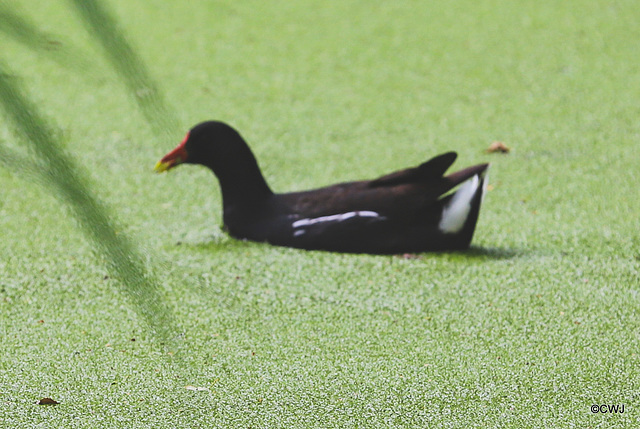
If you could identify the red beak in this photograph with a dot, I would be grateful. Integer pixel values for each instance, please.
(173, 158)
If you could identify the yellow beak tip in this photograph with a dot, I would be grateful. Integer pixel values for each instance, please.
(161, 167)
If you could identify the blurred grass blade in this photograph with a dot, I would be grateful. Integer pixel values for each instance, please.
(58, 49)
(69, 183)
(102, 25)
(21, 164)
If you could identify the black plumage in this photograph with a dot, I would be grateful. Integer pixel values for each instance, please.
(410, 210)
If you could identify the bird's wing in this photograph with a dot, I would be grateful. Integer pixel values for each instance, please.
(432, 169)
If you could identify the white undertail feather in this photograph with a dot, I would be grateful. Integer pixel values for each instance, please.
(455, 213)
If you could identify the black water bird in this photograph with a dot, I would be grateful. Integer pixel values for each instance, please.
(414, 210)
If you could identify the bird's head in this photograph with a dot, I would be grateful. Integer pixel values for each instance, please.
(210, 143)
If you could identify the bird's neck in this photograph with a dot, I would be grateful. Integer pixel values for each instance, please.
(244, 186)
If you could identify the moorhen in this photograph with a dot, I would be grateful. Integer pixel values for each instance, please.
(407, 211)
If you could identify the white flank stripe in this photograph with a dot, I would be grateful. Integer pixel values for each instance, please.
(333, 218)
(455, 213)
